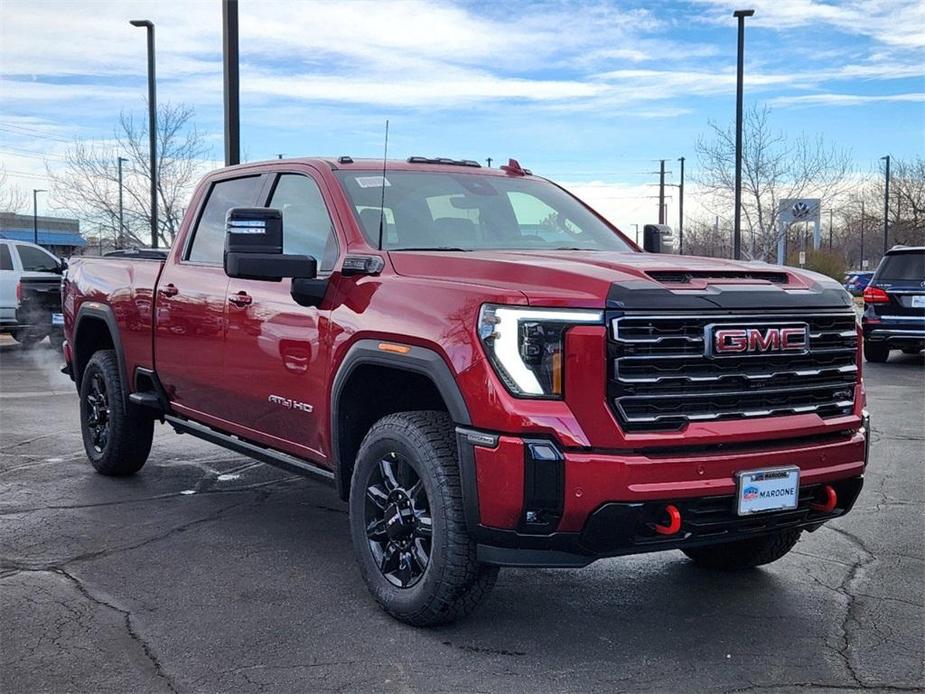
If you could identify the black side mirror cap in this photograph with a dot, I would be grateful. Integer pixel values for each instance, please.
(271, 267)
(659, 238)
(253, 230)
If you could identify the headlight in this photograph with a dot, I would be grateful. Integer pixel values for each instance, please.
(526, 345)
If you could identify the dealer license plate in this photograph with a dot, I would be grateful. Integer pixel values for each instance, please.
(771, 489)
(57, 319)
(918, 301)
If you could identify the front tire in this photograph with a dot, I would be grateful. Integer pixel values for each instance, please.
(407, 522)
(745, 554)
(117, 441)
(876, 352)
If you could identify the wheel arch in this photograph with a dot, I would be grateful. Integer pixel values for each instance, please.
(367, 368)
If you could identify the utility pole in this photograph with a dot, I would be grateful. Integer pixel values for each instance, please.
(863, 223)
(661, 193)
(715, 234)
(740, 73)
(35, 214)
(886, 206)
(489, 162)
(232, 91)
(152, 122)
(119, 160)
(830, 228)
(637, 233)
(681, 210)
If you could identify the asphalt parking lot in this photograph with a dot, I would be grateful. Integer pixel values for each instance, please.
(210, 573)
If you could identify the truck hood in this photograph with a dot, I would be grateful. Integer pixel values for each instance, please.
(595, 279)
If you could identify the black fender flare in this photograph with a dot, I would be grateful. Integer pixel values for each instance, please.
(97, 311)
(419, 360)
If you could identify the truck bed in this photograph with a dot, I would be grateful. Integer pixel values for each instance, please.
(127, 286)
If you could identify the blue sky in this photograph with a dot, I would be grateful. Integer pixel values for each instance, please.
(589, 93)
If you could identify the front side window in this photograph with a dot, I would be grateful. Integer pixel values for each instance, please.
(471, 211)
(36, 260)
(209, 238)
(307, 226)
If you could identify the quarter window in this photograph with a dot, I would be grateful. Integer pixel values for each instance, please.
(6, 260)
(209, 239)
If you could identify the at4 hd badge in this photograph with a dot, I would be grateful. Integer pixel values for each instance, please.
(289, 403)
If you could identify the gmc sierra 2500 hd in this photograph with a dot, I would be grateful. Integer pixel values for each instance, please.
(488, 371)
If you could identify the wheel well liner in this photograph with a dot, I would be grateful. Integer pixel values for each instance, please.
(420, 376)
(95, 328)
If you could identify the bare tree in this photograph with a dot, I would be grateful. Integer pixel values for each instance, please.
(12, 198)
(774, 167)
(88, 184)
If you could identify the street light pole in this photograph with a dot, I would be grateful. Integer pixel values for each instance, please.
(740, 74)
(886, 205)
(152, 122)
(681, 210)
(119, 160)
(35, 214)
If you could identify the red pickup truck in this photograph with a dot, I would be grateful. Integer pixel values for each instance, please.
(488, 371)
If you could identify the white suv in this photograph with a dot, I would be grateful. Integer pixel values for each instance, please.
(20, 259)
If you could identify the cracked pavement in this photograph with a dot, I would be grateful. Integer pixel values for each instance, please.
(207, 572)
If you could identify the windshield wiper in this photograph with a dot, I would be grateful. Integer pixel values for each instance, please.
(430, 248)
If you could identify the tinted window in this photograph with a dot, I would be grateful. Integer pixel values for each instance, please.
(902, 266)
(471, 211)
(6, 261)
(307, 227)
(36, 260)
(209, 240)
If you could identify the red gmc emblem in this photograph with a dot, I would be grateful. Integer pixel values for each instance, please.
(722, 340)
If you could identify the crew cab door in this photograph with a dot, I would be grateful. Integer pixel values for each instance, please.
(275, 360)
(191, 305)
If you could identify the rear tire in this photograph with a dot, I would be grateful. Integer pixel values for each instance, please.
(876, 352)
(745, 554)
(407, 522)
(117, 440)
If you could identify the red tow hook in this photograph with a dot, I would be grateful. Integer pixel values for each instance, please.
(674, 521)
(829, 499)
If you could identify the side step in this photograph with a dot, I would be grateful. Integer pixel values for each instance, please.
(264, 455)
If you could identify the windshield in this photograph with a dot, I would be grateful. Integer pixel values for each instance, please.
(449, 211)
(902, 266)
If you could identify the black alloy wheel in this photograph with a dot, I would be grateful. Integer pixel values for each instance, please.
(97, 412)
(399, 527)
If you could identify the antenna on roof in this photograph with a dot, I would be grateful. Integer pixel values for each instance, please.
(385, 157)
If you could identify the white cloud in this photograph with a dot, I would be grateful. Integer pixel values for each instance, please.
(844, 99)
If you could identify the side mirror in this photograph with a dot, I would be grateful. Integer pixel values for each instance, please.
(659, 238)
(254, 247)
(62, 266)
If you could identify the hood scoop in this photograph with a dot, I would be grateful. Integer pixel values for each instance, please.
(687, 276)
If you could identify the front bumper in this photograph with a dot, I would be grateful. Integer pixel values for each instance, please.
(528, 503)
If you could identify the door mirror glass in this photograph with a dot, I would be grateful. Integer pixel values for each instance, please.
(659, 238)
(254, 247)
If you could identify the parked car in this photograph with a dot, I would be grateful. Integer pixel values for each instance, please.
(856, 282)
(894, 305)
(489, 372)
(30, 292)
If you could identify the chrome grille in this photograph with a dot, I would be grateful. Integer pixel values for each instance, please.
(660, 377)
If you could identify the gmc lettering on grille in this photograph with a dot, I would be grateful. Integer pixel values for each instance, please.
(729, 341)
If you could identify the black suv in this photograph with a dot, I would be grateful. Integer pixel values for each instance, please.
(894, 305)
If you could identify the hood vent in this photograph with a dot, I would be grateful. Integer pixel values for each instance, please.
(685, 276)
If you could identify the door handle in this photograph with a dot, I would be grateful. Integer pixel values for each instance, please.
(169, 290)
(241, 299)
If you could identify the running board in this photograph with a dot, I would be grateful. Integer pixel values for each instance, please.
(264, 455)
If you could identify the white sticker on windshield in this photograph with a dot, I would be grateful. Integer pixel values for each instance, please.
(372, 182)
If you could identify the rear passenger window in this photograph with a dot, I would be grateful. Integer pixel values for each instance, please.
(36, 260)
(209, 238)
(6, 261)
